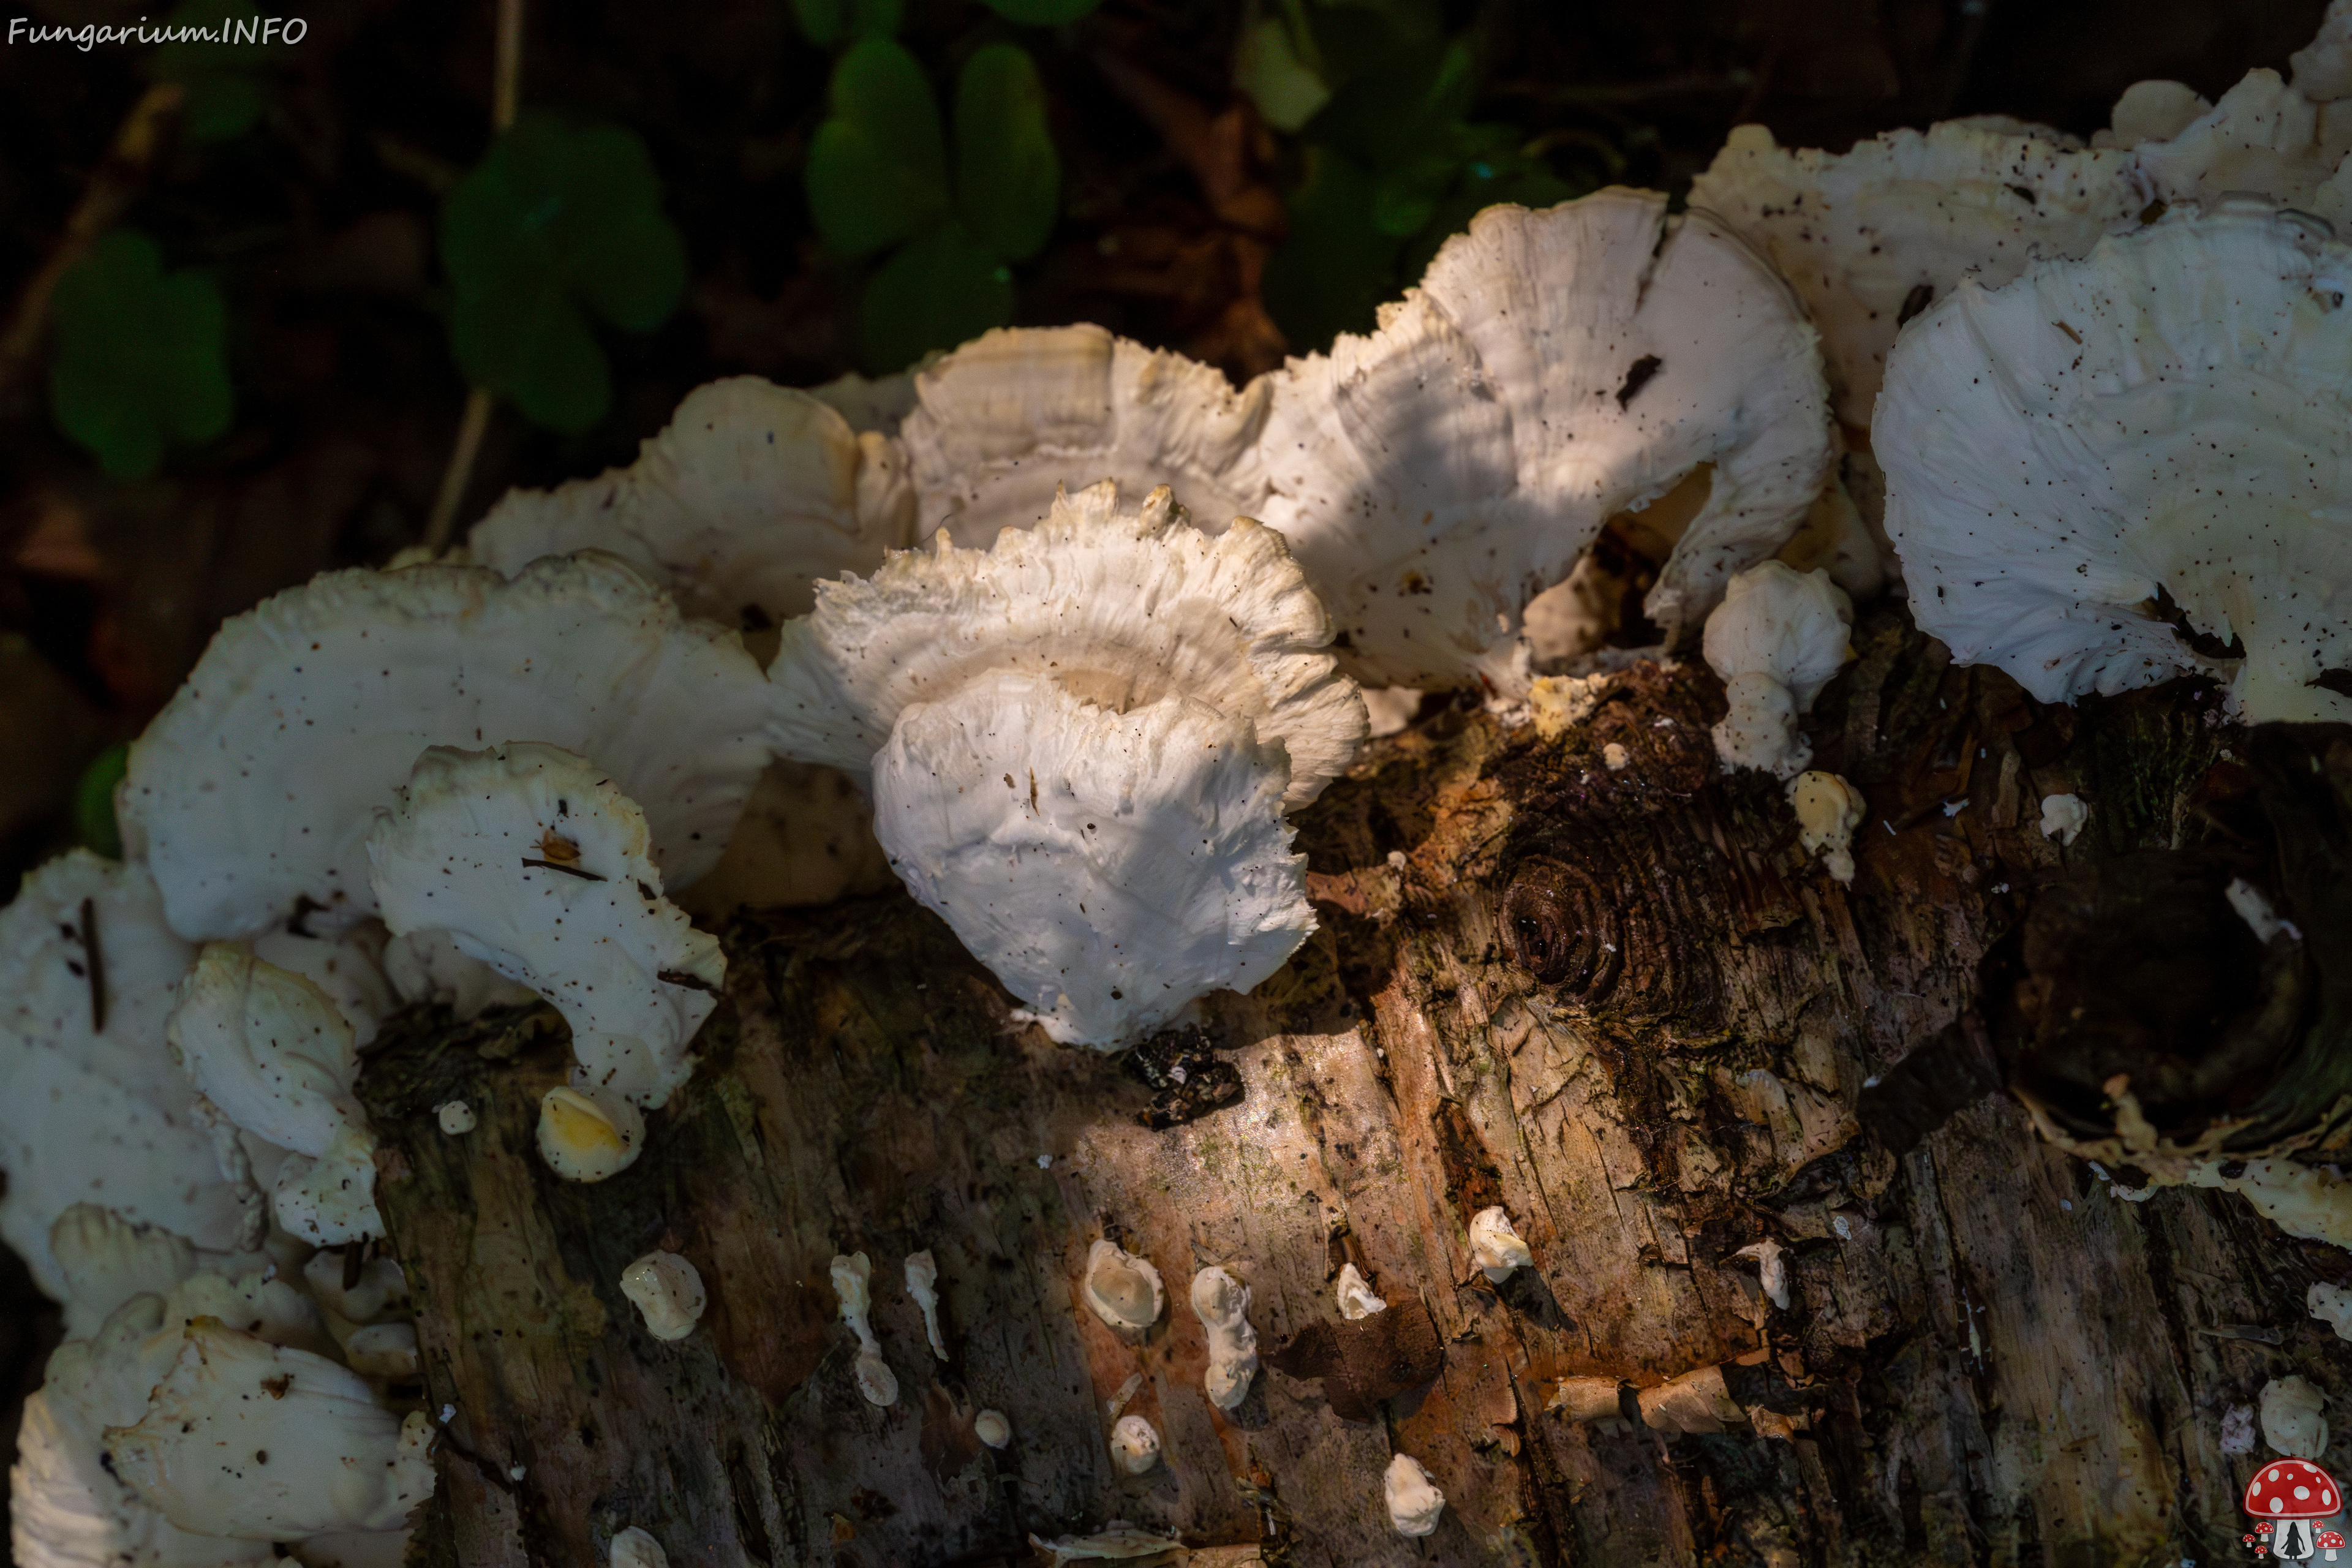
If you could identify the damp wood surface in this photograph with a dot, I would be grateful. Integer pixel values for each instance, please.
(1620, 1004)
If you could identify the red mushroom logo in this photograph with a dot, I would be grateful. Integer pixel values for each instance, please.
(2289, 1495)
(2331, 1541)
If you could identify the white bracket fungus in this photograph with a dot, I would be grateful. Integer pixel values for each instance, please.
(1414, 1502)
(2151, 421)
(1134, 1444)
(541, 868)
(1123, 1289)
(668, 1292)
(1495, 1246)
(92, 1107)
(588, 1134)
(923, 1285)
(1087, 736)
(1015, 414)
(632, 1548)
(427, 966)
(991, 1427)
(277, 1057)
(246, 1438)
(1221, 1303)
(853, 1278)
(2323, 68)
(752, 493)
(1828, 811)
(1871, 236)
(256, 786)
(1778, 638)
(1553, 369)
(2264, 139)
(2247, 902)
(2063, 817)
(380, 1286)
(2291, 1420)
(1356, 1299)
(1771, 1269)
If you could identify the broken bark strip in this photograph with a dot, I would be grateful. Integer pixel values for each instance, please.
(1618, 1002)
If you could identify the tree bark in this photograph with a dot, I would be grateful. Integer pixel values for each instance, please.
(1620, 1003)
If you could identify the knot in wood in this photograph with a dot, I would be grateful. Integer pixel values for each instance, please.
(1560, 926)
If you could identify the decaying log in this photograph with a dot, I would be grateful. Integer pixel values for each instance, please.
(1621, 1003)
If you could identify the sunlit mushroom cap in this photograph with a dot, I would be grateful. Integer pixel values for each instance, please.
(752, 493)
(2171, 416)
(1553, 369)
(1117, 606)
(1871, 236)
(538, 865)
(1109, 868)
(1007, 420)
(99, 1114)
(256, 786)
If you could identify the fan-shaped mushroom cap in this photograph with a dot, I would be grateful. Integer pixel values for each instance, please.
(428, 967)
(66, 1512)
(275, 1054)
(348, 967)
(1356, 1298)
(2262, 139)
(257, 783)
(1495, 1246)
(542, 867)
(1108, 867)
(588, 1134)
(2170, 414)
(337, 1459)
(1120, 608)
(90, 1110)
(1013, 417)
(2323, 68)
(632, 1548)
(752, 493)
(1870, 237)
(1123, 1289)
(1553, 369)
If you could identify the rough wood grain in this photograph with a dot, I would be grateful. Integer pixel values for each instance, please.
(1618, 1003)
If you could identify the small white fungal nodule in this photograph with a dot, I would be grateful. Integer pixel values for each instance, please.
(853, 1281)
(386, 1351)
(1495, 1246)
(1222, 1302)
(1134, 1444)
(1356, 1298)
(991, 1427)
(632, 1548)
(1414, 1501)
(1123, 1289)
(923, 1285)
(1771, 1269)
(2062, 816)
(668, 1292)
(455, 1117)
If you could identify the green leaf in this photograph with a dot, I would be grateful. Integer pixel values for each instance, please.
(559, 219)
(1400, 112)
(877, 170)
(1335, 267)
(1042, 12)
(941, 290)
(93, 801)
(140, 360)
(831, 22)
(1008, 179)
(228, 82)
